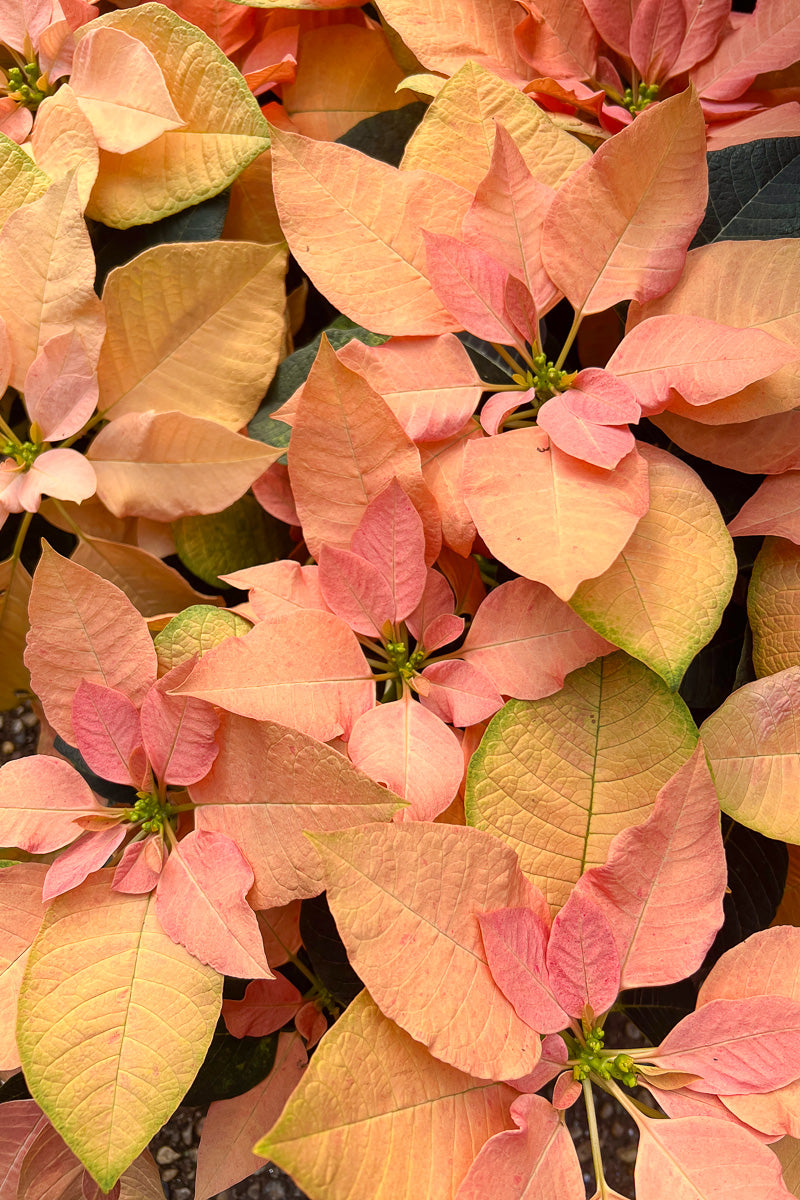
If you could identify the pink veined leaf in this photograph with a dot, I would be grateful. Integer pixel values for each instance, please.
(521, 310)
(140, 866)
(89, 853)
(662, 885)
(515, 941)
(587, 422)
(680, 1102)
(429, 383)
(773, 509)
(279, 587)
(657, 32)
(201, 905)
(178, 731)
(441, 631)
(613, 22)
(706, 20)
(50, 1169)
(699, 1157)
(528, 641)
(409, 750)
(40, 801)
(582, 958)
(436, 601)
(535, 1160)
(273, 492)
(310, 1023)
(700, 359)
(566, 1091)
(443, 472)
(390, 535)
(765, 40)
(355, 590)
(619, 228)
(225, 1155)
(472, 285)
(506, 219)
(64, 474)
(502, 405)
(61, 386)
(23, 1121)
(553, 1060)
(108, 733)
(460, 693)
(21, 913)
(280, 931)
(558, 39)
(266, 1006)
(735, 1046)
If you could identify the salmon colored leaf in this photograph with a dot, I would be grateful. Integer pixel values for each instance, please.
(443, 472)
(346, 447)
(437, 602)
(588, 421)
(356, 590)
(40, 799)
(267, 1005)
(279, 587)
(151, 586)
(178, 731)
(47, 277)
(121, 89)
(506, 219)
(225, 1155)
(766, 41)
(587, 762)
(354, 223)
(459, 693)
(51, 1170)
(65, 474)
(21, 913)
(772, 606)
(657, 34)
(662, 885)
(663, 598)
(375, 1100)
(194, 631)
(527, 640)
(83, 627)
(310, 1023)
(140, 866)
(280, 931)
(515, 941)
(221, 129)
(89, 853)
(412, 752)
(773, 509)
(270, 783)
(444, 36)
(700, 359)
(749, 1045)
(23, 1122)
(108, 733)
(168, 465)
(391, 537)
(765, 444)
(536, 1159)
(698, 1158)
(196, 328)
(270, 675)
(546, 515)
(553, 1060)
(471, 284)
(122, 979)
(430, 384)
(201, 905)
(642, 196)
(753, 744)
(405, 898)
(761, 293)
(456, 137)
(62, 141)
(582, 959)
(61, 387)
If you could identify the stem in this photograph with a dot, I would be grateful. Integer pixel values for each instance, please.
(15, 557)
(501, 350)
(95, 420)
(374, 647)
(634, 1108)
(573, 333)
(503, 387)
(9, 432)
(65, 515)
(594, 1137)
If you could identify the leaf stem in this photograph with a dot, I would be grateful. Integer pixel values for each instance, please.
(504, 387)
(573, 333)
(90, 424)
(65, 515)
(9, 432)
(501, 350)
(15, 557)
(594, 1138)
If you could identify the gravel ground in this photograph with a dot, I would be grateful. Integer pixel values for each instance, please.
(175, 1147)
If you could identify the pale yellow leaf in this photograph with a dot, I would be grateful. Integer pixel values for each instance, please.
(773, 606)
(21, 181)
(62, 141)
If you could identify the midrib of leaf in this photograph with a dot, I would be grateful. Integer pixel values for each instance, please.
(593, 777)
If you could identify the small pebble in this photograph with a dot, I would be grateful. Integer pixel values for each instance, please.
(187, 1134)
(617, 1129)
(606, 1111)
(169, 1174)
(627, 1154)
(29, 720)
(7, 748)
(584, 1151)
(166, 1156)
(181, 1193)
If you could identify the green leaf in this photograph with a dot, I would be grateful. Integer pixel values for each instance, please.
(752, 192)
(195, 631)
(241, 536)
(385, 135)
(326, 951)
(231, 1067)
(118, 794)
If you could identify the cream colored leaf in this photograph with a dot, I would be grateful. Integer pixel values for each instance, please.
(21, 181)
(773, 606)
(62, 141)
(558, 778)
(195, 328)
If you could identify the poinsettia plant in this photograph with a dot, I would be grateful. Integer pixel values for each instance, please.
(501, 420)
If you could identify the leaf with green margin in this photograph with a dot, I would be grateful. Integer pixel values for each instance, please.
(21, 181)
(375, 1114)
(773, 606)
(384, 135)
(194, 631)
(223, 131)
(293, 372)
(557, 778)
(112, 1029)
(752, 192)
(243, 535)
(231, 1067)
(753, 745)
(663, 597)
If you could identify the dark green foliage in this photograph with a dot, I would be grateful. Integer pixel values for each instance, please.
(753, 192)
(231, 1067)
(326, 951)
(118, 794)
(385, 135)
